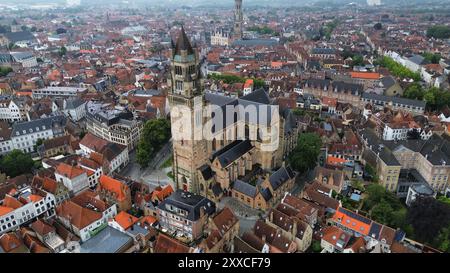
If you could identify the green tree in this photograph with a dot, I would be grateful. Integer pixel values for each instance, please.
(356, 184)
(155, 134)
(428, 217)
(5, 71)
(316, 247)
(378, 26)
(433, 58)
(305, 155)
(439, 32)
(397, 69)
(443, 240)
(414, 91)
(382, 212)
(39, 142)
(370, 171)
(16, 163)
(357, 60)
(62, 51)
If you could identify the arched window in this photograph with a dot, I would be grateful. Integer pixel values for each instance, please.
(247, 132)
(214, 144)
(259, 136)
(202, 188)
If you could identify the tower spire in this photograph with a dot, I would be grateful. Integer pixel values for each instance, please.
(238, 18)
(183, 43)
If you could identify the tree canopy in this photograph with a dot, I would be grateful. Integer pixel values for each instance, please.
(429, 217)
(397, 69)
(16, 163)
(155, 134)
(436, 98)
(439, 32)
(304, 157)
(386, 208)
(230, 79)
(433, 58)
(5, 71)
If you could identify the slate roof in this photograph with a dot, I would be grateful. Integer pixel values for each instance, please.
(245, 188)
(395, 100)
(388, 82)
(255, 42)
(229, 154)
(206, 172)
(259, 96)
(417, 59)
(37, 125)
(339, 86)
(323, 51)
(266, 193)
(74, 103)
(281, 176)
(15, 37)
(217, 189)
(258, 99)
(183, 43)
(189, 202)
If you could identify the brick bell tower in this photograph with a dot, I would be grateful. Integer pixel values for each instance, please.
(186, 101)
(238, 20)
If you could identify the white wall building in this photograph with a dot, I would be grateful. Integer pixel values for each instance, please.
(10, 111)
(25, 134)
(57, 92)
(36, 206)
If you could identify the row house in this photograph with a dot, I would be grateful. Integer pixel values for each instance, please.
(416, 107)
(85, 215)
(267, 191)
(360, 226)
(73, 177)
(342, 91)
(292, 228)
(224, 226)
(19, 207)
(10, 111)
(25, 134)
(111, 156)
(121, 128)
(114, 191)
(185, 213)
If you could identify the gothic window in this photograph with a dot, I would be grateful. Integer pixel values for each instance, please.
(178, 70)
(259, 136)
(179, 85)
(214, 145)
(247, 132)
(202, 188)
(191, 69)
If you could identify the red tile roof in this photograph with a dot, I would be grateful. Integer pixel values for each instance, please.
(365, 75)
(69, 171)
(165, 244)
(79, 216)
(115, 186)
(125, 220)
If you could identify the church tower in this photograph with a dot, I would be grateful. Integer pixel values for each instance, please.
(238, 19)
(186, 101)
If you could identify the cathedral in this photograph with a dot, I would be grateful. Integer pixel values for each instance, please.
(218, 140)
